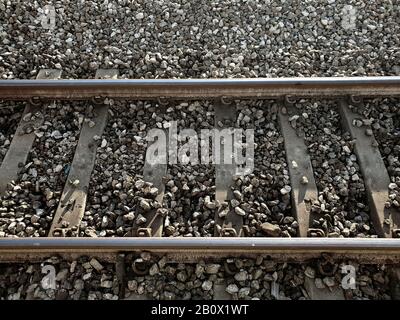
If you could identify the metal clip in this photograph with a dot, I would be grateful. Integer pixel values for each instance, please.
(59, 232)
(289, 100)
(35, 101)
(228, 232)
(356, 100)
(226, 100)
(326, 267)
(163, 101)
(140, 267)
(230, 267)
(312, 232)
(144, 232)
(98, 100)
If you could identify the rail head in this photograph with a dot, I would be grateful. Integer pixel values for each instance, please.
(224, 243)
(193, 249)
(253, 88)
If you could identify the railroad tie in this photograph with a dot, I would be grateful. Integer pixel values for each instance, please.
(376, 178)
(317, 293)
(24, 137)
(394, 277)
(232, 224)
(304, 189)
(72, 205)
(154, 173)
(220, 291)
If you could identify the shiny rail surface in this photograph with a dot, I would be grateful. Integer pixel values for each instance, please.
(223, 243)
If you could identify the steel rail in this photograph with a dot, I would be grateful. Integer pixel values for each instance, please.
(192, 250)
(141, 243)
(260, 88)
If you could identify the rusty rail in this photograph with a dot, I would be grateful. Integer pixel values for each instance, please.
(260, 88)
(192, 249)
(369, 249)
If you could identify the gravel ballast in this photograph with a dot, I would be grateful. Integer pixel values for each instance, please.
(342, 202)
(200, 39)
(28, 207)
(91, 278)
(382, 116)
(264, 195)
(10, 115)
(112, 201)
(190, 186)
(196, 39)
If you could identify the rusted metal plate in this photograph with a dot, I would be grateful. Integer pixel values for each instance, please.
(374, 172)
(232, 223)
(73, 199)
(300, 168)
(24, 137)
(332, 293)
(261, 88)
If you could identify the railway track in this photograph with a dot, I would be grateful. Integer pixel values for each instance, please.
(230, 222)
